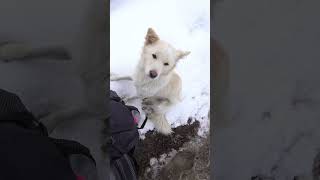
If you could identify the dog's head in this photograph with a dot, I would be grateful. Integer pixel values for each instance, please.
(159, 58)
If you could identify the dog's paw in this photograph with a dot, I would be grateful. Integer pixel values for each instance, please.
(154, 104)
(154, 100)
(148, 110)
(148, 101)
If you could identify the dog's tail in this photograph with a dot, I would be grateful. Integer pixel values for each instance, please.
(114, 77)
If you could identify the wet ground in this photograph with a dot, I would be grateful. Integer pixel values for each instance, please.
(182, 155)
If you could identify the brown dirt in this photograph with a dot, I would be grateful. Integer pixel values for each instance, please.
(155, 144)
(192, 162)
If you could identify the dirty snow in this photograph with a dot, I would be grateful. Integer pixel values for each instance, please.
(183, 23)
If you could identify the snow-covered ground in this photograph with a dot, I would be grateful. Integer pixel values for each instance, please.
(183, 23)
(275, 93)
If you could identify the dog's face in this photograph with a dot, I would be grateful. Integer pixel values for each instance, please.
(159, 58)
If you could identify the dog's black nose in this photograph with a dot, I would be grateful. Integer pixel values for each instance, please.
(153, 74)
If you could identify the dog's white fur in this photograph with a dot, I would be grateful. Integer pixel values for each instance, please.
(164, 90)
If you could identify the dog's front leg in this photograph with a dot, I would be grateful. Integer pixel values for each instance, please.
(155, 107)
(161, 123)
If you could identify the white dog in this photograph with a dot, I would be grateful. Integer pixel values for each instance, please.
(156, 82)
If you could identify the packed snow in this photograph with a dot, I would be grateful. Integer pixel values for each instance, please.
(183, 23)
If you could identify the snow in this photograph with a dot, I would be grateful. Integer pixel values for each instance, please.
(183, 23)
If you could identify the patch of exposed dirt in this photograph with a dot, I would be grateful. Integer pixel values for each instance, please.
(201, 168)
(154, 145)
(192, 162)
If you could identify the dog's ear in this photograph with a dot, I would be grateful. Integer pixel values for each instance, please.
(182, 54)
(151, 37)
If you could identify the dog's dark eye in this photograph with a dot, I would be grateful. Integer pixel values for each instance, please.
(154, 56)
(166, 64)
